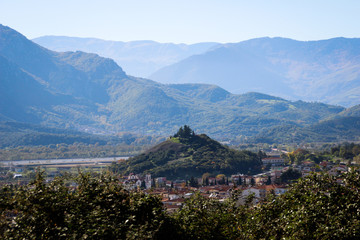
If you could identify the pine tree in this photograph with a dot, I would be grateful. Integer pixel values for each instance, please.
(240, 181)
(268, 182)
(252, 182)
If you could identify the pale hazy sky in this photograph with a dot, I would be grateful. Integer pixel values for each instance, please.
(187, 21)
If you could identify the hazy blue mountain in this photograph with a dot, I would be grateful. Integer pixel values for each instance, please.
(326, 70)
(78, 74)
(87, 92)
(137, 58)
(40, 86)
(23, 98)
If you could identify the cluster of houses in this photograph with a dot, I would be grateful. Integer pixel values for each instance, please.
(174, 193)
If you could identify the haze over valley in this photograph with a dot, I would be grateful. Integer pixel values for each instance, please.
(324, 70)
(79, 90)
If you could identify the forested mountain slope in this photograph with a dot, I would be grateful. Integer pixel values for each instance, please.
(86, 92)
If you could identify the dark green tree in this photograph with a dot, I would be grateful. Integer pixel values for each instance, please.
(98, 208)
(203, 218)
(143, 185)
(316, 207)
(185, 133)
(252, 182)
(268, 181)
(193, 182)
(240, 181)
(290, 175)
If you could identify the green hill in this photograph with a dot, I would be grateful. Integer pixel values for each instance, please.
(188, 154)
(339, 129)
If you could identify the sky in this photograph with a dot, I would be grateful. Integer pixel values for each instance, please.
(183, 21)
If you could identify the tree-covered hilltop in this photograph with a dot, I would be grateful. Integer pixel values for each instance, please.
(188, 154)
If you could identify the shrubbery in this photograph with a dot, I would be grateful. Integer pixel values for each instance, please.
(316, 207)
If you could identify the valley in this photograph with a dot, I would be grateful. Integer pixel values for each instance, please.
(201, 120)
(82, 91)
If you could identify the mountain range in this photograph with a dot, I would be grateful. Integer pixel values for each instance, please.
(86, 92)
(137, 58)
(324, 70)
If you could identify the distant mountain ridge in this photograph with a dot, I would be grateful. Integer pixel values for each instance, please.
(325, 70)
(84, 91)
(137, 58)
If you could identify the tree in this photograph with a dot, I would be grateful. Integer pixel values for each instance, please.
(268, 181)
(193, 182)
(143, 185)
(153, 183)
(185, 133)
(220, 178)
(205, 179)
(240, 181)
(290, 175)
(261, 154)
(203, 218)
(99, 208)
(188, 132)
(252, 182)
(311, 209)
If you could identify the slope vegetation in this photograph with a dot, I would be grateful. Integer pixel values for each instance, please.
(188, 154)
(84, 91)
(339, 129)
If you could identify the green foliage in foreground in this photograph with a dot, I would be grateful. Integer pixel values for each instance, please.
(316, 207)
(98, 208)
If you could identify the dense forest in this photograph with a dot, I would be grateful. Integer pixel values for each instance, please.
(99, 208)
